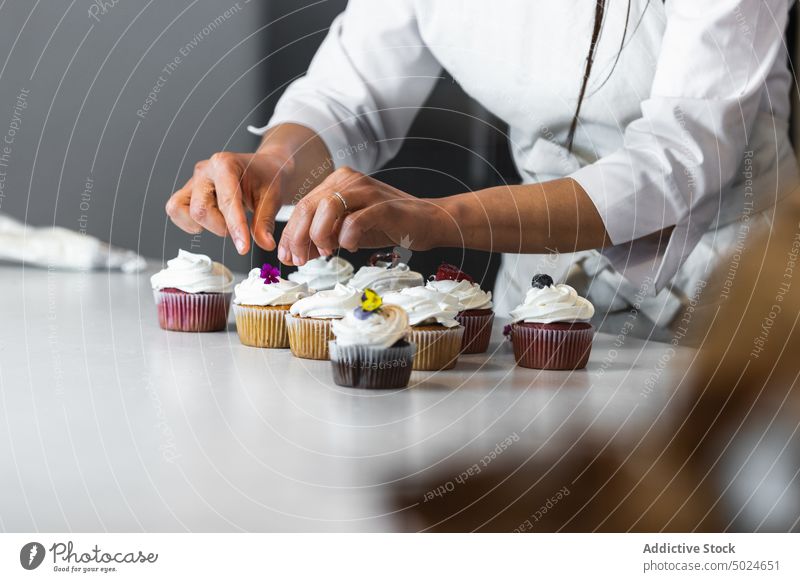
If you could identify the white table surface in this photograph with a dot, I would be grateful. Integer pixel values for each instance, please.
(109, 423)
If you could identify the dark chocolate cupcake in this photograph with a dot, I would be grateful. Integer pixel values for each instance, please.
(371, 349)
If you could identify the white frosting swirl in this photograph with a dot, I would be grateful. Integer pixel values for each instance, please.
(381, 329)
(426, 306)
(253, 291)
(553, 304)
(330, 304)
(469, 295)
(193, 273)
(322, 274)
(383, 279)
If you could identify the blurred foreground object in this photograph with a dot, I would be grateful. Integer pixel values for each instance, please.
(60, 248)
(722, 454)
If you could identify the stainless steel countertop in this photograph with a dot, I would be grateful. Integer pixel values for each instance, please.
(109, 423)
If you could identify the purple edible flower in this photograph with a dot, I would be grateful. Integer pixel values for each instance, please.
(270, 274)
(362, 314)
(507, 331)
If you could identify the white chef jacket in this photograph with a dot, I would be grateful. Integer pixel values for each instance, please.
(691, 125)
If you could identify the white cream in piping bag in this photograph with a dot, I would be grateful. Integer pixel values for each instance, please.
(555, 303)
(194, 273)
(331, 304)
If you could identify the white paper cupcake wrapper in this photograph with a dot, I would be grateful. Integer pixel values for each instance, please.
(437, 349)
(308, 338)
(261, 328)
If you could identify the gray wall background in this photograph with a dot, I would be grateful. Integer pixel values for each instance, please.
(88, 70)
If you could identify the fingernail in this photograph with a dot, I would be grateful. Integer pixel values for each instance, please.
(237, 241)
(281, 254)
(296, 260)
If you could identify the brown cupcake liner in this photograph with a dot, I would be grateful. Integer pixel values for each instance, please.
(370, 367)
(194, 312)
(477, 331)
(437, 348)
(545, 348)
(308, 337)
(262, 326)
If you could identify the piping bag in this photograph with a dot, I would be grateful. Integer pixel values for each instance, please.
(61, 248)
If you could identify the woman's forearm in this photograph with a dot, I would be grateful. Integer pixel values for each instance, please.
(532, 218)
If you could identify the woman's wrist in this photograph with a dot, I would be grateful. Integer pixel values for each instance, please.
(301, 155)
(446, 222)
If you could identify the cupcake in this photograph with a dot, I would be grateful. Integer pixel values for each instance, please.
(434, 328)
(323, 273)
(260, 304)
(385, 273)
(476, 313)
(193, 293)
(309, 320)
(371, 349)
(551, 329)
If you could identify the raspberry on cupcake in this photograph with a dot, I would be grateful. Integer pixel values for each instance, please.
(434, 328)
(371, 349)
(476, 313)
(193, 293)
(260, 305)
(550, 330)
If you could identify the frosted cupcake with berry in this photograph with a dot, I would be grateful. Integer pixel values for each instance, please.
(434, 328)
(550, 330)
(371, 347)
(309, 320)
(386, 273)
(476, 313)
(260, 305)
(323, 273)
(193, 293)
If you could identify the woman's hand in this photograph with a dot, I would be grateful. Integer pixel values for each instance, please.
(223, 188)
(369, 214)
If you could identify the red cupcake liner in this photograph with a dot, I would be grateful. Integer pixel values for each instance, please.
(477, 330)
(556, 347)
(196, 312)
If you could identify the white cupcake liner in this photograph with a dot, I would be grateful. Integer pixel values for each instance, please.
(261, 327)
(308, 337)
(437, 349)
